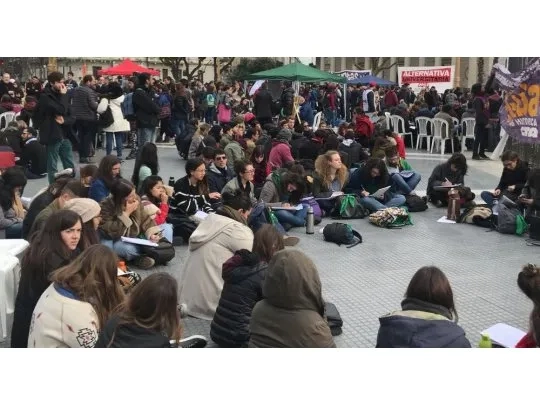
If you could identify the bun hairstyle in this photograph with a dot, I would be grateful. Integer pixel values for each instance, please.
(529, 283)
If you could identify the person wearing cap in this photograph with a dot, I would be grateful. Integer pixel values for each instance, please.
(368, 98)
(90, 213)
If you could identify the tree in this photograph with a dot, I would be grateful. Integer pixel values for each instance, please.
(247, 66)
(180, 67)
(480, 74)
(378, 65)
(221, 66)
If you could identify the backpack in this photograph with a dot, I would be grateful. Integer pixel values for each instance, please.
(478, 211)
(510, 221)
(106, 119)
(163, 253)
(210, 100)
(128, 111)
(349, 206)
(415, 203)
(342, 234)
(312, 202)
(333, 318)
(393, 217)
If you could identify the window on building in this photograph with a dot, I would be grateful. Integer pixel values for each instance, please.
(430, 61)
(414, 61)
(400, 61)
(446, 61)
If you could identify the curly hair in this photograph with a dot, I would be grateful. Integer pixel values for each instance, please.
(323, 169)
(528, 281)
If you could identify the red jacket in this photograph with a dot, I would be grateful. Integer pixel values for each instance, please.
(363, 126)
(279, 155)
(527, 342)
(400, 145)
(390, 99)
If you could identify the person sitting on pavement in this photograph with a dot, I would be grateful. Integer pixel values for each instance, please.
(12, 211)
(148, 318)
(208, 154)
(155, 200)
(215, 241)
(78, 302)
(87, 174)
(445, 115)
(90, 213)
(513, 179)
(284, 189)
(403, 175)
(530, 195)
(280, 154)
(243, 276)
(197, 139)
(243, 181)
(291, 314)
(330, 176)
(428, 316)
(528, 281)
(147, 164)
(122, 214)
(33, 156)
(108, 173)
(233, 149)
(219, 172)
(446, 174)
(370, 178)
(353, 148)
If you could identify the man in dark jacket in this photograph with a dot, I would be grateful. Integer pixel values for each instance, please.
(33, 87)
(218, 173)
(287, 99)
(53, 120)
(146, 110)
(84, 105)
(33, 156)
(6, 87)
(263, 105)
(353, 149)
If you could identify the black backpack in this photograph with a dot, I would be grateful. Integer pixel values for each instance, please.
(333, 318)
(415, 203)
(342, 234)
(163, 253)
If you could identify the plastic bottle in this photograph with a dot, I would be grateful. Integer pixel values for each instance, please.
(171, 181)
(485, 342)
(310, 221)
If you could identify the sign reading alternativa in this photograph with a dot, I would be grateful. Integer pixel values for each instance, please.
(519, 112)
(418, 78)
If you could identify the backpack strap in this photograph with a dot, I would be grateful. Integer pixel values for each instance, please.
(358, 237)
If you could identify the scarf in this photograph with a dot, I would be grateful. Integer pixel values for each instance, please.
(229, 212)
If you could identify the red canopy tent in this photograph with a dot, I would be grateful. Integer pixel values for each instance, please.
(128, 67)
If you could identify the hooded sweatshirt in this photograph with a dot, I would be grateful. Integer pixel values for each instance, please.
(420, 324)
(292, 311)
(213, 243)
(130, 336)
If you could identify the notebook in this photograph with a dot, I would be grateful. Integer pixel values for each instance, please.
(504, 335)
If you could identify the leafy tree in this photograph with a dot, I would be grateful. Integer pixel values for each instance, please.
(247, 66)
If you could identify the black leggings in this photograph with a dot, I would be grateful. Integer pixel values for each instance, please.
(480, 140)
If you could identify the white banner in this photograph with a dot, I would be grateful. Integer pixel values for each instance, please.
(353, 74)
(442, 77)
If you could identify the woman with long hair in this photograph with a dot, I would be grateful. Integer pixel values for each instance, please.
(56, 245)
(215, 240)
(90, 213)
(113, 100)
(202, 131)
(330, 176)
(12, 212)
(123, 215)
(148, 318)
(428, 316)
(145, 165)
(155, 201)
(180, 112)
(258, 159)
(529, 283)
(452, 171)
(108, 172)
(79, 302)
(368, 179)
(243, 276)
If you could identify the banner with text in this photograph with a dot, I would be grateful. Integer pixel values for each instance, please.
(442, 77)
(351, 75)
(519, 112)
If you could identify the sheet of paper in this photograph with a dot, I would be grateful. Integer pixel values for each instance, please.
(201, 215)
(380, 193)
(504, 335)
(335, 194)
(296, 208)
(138, 241)
(444, 220)
(445, 187)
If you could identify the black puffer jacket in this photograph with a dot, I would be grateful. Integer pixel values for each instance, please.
(243, 274)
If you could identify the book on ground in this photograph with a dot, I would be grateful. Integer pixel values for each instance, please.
(138, 241)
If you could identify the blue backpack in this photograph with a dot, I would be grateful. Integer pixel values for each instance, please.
(128, 111)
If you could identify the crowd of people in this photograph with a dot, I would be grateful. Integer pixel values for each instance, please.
(247, 183)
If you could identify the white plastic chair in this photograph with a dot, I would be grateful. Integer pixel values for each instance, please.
(6, 118)
(467, 130)
(441, 127)
(9, 280)
(387, 117)
(422, 124)
(317, 121)
(397, 123)
(455, 121)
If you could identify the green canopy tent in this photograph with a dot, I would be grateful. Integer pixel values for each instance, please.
(297, 73)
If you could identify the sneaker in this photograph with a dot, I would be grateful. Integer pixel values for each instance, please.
(290, 240)
(65, 172)
(476, 157)
(182, 308)
(193, 342)
(287, 227)
(144, 262)
(484, 157)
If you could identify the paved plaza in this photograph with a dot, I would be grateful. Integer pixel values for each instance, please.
(369, 280)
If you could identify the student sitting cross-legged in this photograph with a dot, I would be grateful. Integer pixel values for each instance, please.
(368, 179)
(330, 175)
(404, 177)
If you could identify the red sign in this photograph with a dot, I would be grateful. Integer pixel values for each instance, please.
(426, 76)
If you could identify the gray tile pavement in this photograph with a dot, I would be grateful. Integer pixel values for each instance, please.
(370, 279)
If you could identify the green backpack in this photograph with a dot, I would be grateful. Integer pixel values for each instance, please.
(392, 217)
(349, 206)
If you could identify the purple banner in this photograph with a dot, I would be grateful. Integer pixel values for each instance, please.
(519, 112)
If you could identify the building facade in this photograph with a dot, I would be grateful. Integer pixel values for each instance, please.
(466, 68)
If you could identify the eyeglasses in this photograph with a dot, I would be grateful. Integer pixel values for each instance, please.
(250, 171)
(221, 157)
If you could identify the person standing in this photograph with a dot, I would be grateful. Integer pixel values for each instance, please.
(84, 106)
(263, 105)
(481, 108)
(146, 110)
(53, 123)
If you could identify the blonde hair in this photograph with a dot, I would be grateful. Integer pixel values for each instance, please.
(203, 129)
(322, 168)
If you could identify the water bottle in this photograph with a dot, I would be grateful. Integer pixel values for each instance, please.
(495, 208)
(485, 342)
(310, 221)
(171, 181)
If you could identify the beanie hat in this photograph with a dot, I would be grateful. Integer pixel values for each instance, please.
(85, 207)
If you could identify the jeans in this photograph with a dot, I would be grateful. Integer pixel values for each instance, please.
(59, 150)
(167, 231)
(406, 185)
(480, 140)
(145, 135)
(294, 218)
(488, 197)
(119, 138)
(87, 135)
(127, 251)
(390, 200)
(14, 231)
(178, 126)
(210, 115)
(331, 117)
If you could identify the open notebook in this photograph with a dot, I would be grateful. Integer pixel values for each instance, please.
(504, 335)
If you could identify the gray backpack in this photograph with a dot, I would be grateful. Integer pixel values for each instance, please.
(510, 220)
